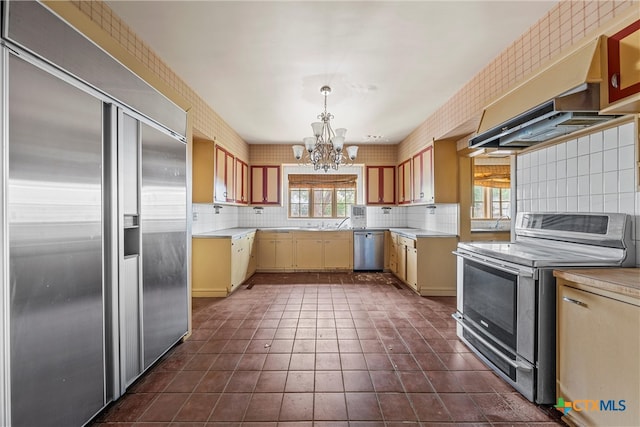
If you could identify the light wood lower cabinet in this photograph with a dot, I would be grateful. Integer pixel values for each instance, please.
(275, 251)
(402, 258)
(412, 268)
(598, 355)
(425, 264)
(221, 265)
(338, 250)
(305, 250)
(393, 253)
(309, 251)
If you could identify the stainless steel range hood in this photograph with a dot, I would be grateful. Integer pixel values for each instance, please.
(560, 99)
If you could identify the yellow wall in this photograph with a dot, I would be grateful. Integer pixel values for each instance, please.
(566, 24)
(277, 154)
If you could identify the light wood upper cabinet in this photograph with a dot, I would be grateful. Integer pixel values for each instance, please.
(225, 162)
(381, 185)
(422, 168)
(623, 56)
(218, 176)
(203, 171)
(265, 185)
(404, 182)
(598, 353)
(435, 174)
(242, 182)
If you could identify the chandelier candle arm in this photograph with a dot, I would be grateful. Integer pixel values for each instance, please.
(325, 150)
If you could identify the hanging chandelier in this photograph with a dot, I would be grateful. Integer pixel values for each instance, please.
(324, 150)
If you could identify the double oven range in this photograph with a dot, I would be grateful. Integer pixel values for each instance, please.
(506, 300)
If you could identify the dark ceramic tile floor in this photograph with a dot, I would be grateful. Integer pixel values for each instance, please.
(302, 350)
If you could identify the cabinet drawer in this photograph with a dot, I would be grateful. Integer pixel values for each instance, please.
(407, 242)
(273, 235)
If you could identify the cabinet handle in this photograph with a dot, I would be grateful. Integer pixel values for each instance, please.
(615, 81)
(574, 301)
(421, 195)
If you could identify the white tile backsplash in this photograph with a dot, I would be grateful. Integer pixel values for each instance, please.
(205, 219)
(610, 138)
(610, 160)
(594, 173)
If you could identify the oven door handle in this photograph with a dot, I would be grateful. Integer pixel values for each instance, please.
(518, 364)
(493, 264)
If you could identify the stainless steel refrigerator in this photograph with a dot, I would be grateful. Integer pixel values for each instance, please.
(94, 226)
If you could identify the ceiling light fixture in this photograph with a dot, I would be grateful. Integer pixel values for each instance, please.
(324, 150)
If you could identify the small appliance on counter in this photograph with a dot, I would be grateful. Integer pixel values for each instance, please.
(358, 216)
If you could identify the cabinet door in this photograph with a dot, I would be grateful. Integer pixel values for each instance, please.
(202, 172)
(422, 171)
(265, 185)
(208, 278)
(393, 253)
(338, 253)
(253, 259)
(266, 251)
(402, 262)
(240, 258)
(374, 178)
(412, 267)
(428, 180)
(418, 177)
(229, 177)
(404, 182)
(623, 53)
(284, 254)
(381, 185)
(309, 254)
(236, 263)
(272, 190)
(242, 182)
(388, 185)
(224, 175)
(593, 332)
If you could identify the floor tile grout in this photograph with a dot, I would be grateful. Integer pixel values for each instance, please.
(410, 335)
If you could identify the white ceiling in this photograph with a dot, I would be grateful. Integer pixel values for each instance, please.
(260, 64)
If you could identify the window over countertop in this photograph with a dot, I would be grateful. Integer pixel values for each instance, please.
(321, 196)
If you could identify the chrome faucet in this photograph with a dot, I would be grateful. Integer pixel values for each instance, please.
(497, 224)
(342, 222)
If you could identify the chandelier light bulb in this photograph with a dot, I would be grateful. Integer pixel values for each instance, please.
(338, 143)
(298, 151)
(309, 143)
(317, 128)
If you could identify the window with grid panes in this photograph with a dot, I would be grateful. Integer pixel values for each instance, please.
(321, 196)
(491, 191)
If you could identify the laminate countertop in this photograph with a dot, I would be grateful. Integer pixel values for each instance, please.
(625, 281)
(225, 233)
(412, 233)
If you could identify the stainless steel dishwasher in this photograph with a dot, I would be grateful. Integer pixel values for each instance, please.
(368, 250)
